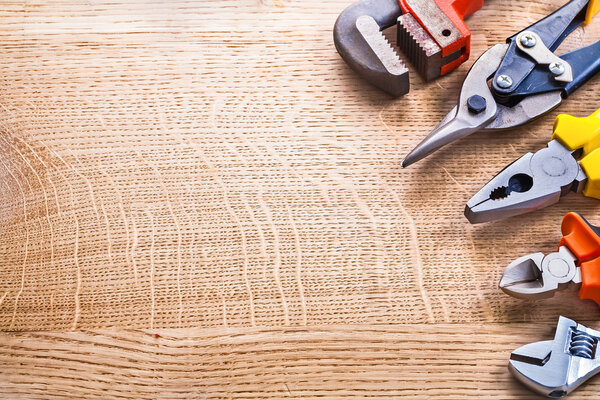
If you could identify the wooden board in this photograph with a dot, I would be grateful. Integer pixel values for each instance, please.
(215, 169)
(415, 361)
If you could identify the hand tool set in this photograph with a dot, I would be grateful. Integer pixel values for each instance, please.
(509, 85)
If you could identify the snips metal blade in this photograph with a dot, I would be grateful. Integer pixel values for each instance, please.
(477, 109)
(532, 182)
(461, 121)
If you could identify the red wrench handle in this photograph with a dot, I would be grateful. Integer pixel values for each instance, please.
(456, 11)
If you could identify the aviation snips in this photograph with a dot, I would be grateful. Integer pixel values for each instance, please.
(527, 79)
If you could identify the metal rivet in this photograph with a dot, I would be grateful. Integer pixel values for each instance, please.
(557, 68)
(504, 81)
(558, 268)
(528, 39)
(476, 104)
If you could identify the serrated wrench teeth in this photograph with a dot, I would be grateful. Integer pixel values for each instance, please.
(381, 47)
(358, 39)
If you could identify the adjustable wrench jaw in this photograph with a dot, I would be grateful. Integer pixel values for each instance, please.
(358, 38)
(554, 368)
(541, 367)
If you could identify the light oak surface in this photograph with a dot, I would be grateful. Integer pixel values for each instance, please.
(213, 172)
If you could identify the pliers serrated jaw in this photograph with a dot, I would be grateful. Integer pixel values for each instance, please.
(570, 162)
(531, 182)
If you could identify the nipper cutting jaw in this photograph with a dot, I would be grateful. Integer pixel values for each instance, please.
(531, 182)
(554, 368)
(536, 276)
(575, 265)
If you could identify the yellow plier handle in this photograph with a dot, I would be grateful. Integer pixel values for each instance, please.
(583, 133)
(592, 9)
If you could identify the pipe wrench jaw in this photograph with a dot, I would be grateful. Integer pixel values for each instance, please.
(431, 33)
(554, 368)
(358, 38)
(532, 182)
(434, 35)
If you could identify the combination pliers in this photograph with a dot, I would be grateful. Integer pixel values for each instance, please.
(526, 78)
(570, 162)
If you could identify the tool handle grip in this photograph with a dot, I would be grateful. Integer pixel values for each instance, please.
(581, 237)
(590, 164)
(592, 9)
(583, 240)
(462, 8)
(585, 63)
(590, 280)
(578, 132)
(582, 134)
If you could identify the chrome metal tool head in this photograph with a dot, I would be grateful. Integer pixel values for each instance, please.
(536, 276)
(532, 182)
(463, 119)
(554, 368)
(477, 109)
(358, 38)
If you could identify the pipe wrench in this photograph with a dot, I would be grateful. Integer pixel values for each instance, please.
(432, 33)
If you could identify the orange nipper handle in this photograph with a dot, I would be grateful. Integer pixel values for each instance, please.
(584, 242)
(590, 280)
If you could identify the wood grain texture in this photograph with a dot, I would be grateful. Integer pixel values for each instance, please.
(215, 168)
(350, 362)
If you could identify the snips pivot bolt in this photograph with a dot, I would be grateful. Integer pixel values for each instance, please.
(528, 40)
(476, 104)
(504, 81)
(557, 68)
